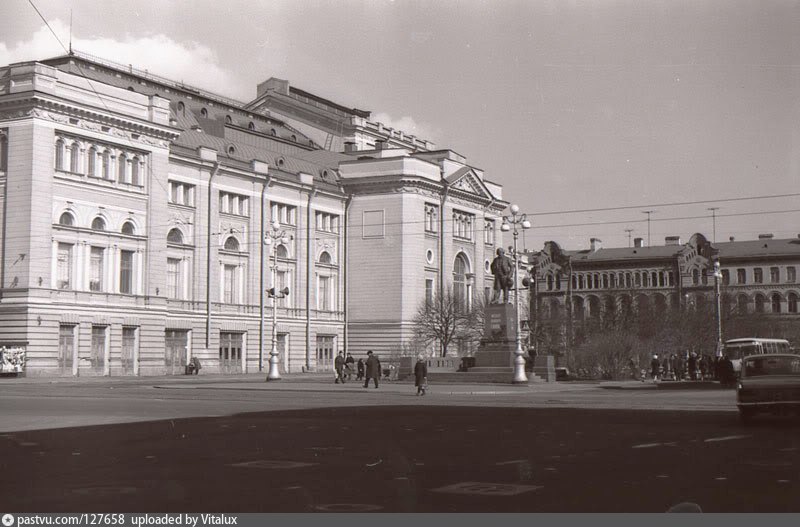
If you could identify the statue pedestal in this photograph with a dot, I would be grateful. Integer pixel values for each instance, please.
(494, 360)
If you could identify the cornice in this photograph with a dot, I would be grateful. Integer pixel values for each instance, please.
(89, 118)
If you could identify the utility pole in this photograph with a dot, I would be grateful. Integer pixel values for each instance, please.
(714, 223)
(648, 212)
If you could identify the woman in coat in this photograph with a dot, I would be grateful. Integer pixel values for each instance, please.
(421, 375)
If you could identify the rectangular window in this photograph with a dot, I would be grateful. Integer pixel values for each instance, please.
(726, 277)
(429, 291)
(96, 269)
(230, 295)
(463, 225)
(126, 272)
(324, 298)
(741, 276)
(372, 224)
(327, 222)
(281, 283)
(181, 193)
(230, 203)
(791, 274)
(774, 275)
(431, 218)
(64, 266)
(488, 232)
(284, 214)
(174, 278)
(758, 275)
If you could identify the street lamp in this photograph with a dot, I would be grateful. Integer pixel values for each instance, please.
(516, 222)
(718, 303)
(271, 238)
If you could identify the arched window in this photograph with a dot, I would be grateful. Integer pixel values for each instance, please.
(106, 164)
(776, 303)
(460, 288)
(273, 131)
(91, 168)
(122, 169)
(74, 157)
(135, 167)
(325, 258)
(60, 154)
(282, 252)
(128, 228)
(66, 219)
(175, 236)
(294, 138)
(228, 119)
(181, 108)
(98, 224)
(251, 125)
(231, 244)
(741, 304)
(792, 298)
(203, 112)
(760, 303)
(549, 282)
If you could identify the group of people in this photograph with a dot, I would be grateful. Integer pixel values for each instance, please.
(371, 370)
(689, 366)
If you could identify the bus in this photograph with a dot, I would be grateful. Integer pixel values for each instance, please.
(736, 349)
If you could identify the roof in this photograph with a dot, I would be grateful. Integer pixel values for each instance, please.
(627, 253)
(759, 248)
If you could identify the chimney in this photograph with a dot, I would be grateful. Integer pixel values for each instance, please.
(732, 239)
(672, 240)
(638, 242)
(349, 146)
(596, 244)
(765, 236)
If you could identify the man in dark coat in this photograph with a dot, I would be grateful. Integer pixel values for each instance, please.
(421, 375)
(338, 363)
(349, 364)
(373, 369)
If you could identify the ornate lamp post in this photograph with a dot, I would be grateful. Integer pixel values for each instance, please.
(516, 223)
(718, 303)
(272, 238)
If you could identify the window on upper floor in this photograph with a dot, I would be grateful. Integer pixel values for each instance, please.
(181, 193)
(283, 214)
(463, 225)
(774, 275)
(3, 151)
(230, 292)
(175, 236)
(74, 157)
(64, 266)
(126, 272)
(695, 277)
(231, 244)
(128, 228)
(174, 278)
(791, 274)
(96, 266)
(488, 232)
(758, 275)
(66, 219)
(327, 222)
(98, 224)
(726, 277)
(230, 203)
(431, 218)
(325, 258)
(741, 276)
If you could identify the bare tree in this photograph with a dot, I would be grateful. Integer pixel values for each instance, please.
(442, 320)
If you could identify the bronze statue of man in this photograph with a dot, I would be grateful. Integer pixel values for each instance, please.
(503, 271)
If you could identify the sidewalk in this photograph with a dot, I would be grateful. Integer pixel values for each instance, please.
(662, 385)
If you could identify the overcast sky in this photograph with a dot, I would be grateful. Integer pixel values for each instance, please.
(568, 104)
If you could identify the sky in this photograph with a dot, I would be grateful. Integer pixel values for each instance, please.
(570, 105)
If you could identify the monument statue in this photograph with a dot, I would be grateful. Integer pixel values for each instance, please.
(503, 271)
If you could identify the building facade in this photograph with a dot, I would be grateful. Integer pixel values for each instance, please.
(135, 211)
(753, 277)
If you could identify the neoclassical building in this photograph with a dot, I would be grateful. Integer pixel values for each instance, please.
(755, 276)
(135, 209)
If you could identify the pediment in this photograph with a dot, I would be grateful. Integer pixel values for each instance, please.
(467, 180)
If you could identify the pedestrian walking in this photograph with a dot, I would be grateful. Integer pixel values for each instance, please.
(349, 366)
(360, 369)
(338, 363)
(654, 367)
(421, 375)
(373, 367)
(693, 366)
